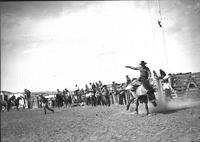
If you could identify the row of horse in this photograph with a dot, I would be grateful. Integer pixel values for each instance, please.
(7, 104)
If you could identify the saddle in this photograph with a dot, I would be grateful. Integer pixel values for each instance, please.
(135, 84)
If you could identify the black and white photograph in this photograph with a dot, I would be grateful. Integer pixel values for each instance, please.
(100, 71)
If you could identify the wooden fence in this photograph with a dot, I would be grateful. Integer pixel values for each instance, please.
(187, 84)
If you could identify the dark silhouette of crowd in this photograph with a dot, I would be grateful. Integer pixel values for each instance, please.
(94, 94)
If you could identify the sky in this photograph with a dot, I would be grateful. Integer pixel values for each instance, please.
(57, 44)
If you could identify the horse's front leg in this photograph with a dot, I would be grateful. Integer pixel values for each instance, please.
(18, 107)
(129, 103)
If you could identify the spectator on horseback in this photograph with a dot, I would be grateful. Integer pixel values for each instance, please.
(145, 75)
(45, 101)
(13, 102)
(13, 98)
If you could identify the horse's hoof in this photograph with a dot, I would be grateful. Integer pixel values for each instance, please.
(136, 113)
(149, 114)
(127, 107)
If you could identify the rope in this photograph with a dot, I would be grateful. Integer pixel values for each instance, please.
(159, 9)
(163, 34)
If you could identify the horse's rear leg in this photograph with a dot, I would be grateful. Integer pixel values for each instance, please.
(147, 108)
(128, 105)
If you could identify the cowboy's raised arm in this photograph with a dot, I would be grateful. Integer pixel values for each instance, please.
(132, 67)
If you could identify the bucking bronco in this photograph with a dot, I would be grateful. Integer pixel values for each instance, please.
(140, 95)
(144, 91)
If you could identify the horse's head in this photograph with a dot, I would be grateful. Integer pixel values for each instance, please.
(12, 98)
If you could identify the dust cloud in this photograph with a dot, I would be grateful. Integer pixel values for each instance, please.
(164, 104)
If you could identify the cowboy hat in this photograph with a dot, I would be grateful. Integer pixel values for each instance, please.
(143, 63)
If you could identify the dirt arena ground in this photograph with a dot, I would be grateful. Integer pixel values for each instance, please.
(177, 122)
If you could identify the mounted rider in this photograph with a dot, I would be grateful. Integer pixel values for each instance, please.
(145, 75)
